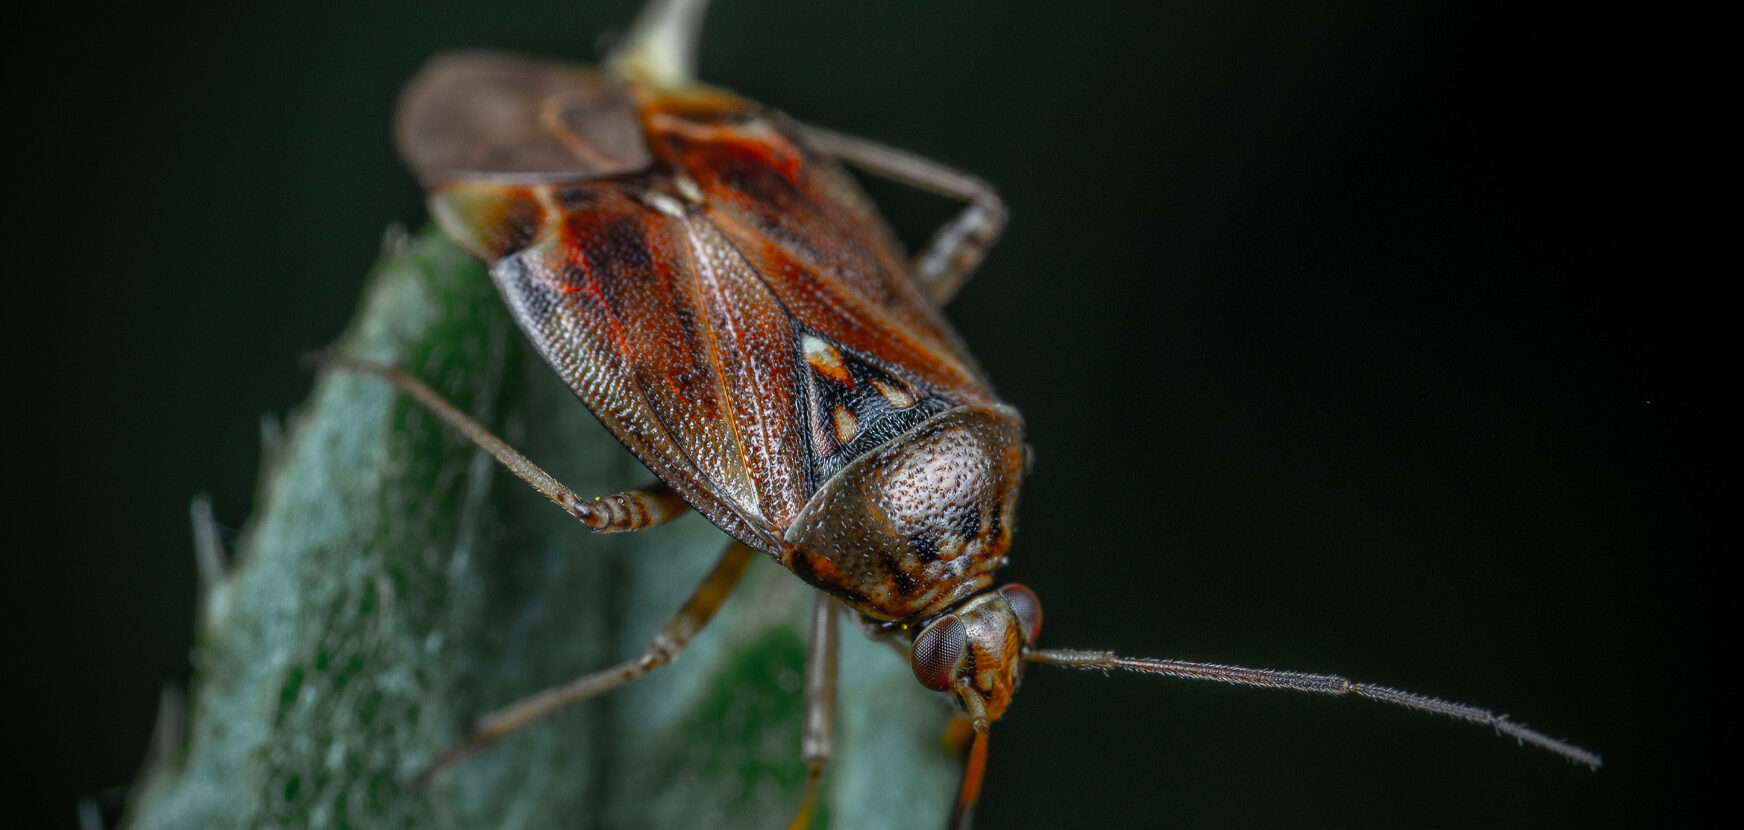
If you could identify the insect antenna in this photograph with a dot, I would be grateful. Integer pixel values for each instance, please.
(1327, 684)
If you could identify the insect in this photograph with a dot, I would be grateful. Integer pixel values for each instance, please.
(712, 285)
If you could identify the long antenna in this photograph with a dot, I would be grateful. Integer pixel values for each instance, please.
(1326, 684)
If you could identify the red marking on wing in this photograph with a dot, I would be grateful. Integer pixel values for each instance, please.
(815, 241)
(674, 320)
(665, 333)
(756, 362)
(610, 298)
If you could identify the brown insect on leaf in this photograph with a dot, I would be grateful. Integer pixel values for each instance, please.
(711, 283)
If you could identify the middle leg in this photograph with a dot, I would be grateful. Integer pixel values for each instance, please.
(665, 647)
(817, 742)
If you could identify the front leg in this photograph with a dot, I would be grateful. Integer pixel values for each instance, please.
(817, 742)
(662, 650)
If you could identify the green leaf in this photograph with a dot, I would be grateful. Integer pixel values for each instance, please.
(395, 585)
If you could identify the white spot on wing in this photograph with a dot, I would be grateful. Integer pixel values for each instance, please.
(846, 425)
(897, 396)
(663, 203)
(825, 360)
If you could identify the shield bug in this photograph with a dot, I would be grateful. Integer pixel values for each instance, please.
(709, 281)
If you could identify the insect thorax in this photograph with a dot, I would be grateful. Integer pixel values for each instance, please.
(909, 529)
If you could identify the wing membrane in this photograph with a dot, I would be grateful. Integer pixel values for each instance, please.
(514, 119)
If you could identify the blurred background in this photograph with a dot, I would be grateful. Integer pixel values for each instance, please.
(1356, 337)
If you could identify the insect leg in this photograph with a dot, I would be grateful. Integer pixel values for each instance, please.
(818, 740)
(957, 247)
(663, 649)
(631, 509)
(628, 510)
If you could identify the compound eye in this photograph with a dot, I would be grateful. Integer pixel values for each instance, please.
(1027, 608)
(936, 652)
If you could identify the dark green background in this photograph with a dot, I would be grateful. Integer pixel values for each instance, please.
(1365, 337)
